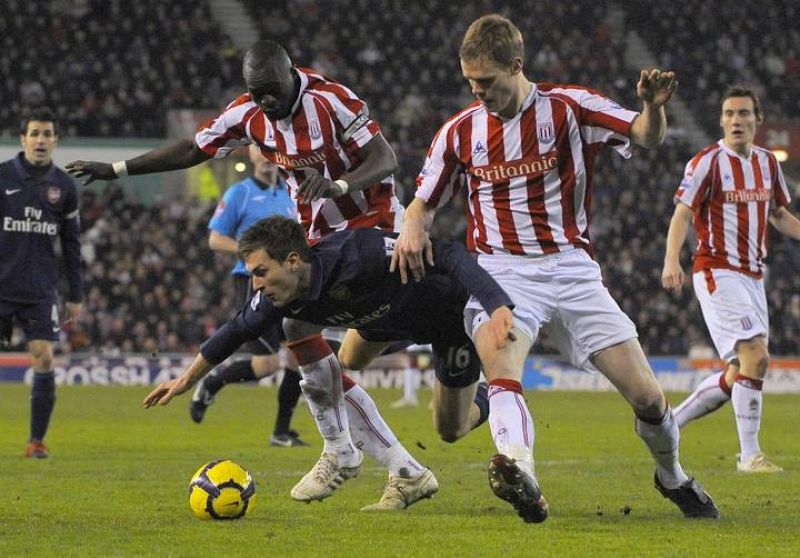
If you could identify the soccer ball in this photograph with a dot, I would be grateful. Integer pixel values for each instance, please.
(221, 489)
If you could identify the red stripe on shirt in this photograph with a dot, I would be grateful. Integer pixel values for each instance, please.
(500, 190)
(742, 222)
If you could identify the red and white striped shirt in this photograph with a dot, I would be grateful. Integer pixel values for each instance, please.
(325, 130)
(529, 179)
(731, 197)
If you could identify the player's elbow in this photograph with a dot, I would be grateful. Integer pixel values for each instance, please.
(390, 164)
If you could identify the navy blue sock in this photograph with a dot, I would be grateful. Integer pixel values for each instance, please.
(239, 371)
(482, 401)
(43, 399)
(288, 395)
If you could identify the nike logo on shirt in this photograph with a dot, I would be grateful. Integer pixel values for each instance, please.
(11, 192)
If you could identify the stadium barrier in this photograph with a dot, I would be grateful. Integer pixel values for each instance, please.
(543, 373)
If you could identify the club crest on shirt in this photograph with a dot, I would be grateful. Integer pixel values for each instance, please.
(339, 292)
(544, 131)
(53, 194)
(314, 129)
(746, 322)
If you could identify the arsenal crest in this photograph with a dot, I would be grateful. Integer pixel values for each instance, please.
(53, 194)
(340, 293)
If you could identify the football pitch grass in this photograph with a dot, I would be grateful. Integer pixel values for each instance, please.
(117, 484)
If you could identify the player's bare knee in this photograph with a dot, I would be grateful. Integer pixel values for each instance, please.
(649, 404)
(448, 432)
(756, 356)
(42, 356)
(350, 359)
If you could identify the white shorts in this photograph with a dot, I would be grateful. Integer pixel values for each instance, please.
(562, 294)
(734, 308)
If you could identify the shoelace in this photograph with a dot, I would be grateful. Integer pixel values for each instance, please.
(324, 470)
(394, 489)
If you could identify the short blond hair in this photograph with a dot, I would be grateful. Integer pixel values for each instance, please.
(494, 37)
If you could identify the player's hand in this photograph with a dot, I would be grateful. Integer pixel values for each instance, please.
(500, 323)
(656, 87)
(315, 186)
(165, 391)
(412, 245)
(93, 170)
(73, 311)
(672, 277)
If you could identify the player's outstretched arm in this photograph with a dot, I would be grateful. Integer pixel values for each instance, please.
(165, 391)
(672, 276)
(413, 247)
(783, 220)
(180, 154)
(655, 89)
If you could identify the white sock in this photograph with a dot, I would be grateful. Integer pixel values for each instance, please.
(372, 435)
(662, 440)
(322, 386)
(746, 399)
(707, 397)
(411, 381)
(510, 423)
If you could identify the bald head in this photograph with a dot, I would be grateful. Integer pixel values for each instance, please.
(270, 78)
(266, 58)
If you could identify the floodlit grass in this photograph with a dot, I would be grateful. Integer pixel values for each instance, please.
(116, 484)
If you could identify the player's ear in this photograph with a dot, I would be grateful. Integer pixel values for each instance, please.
(294, 260)
(516, 66)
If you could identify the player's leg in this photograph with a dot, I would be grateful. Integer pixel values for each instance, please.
(40, 325)
(709, 395)
(592, 330)
(530, 285)
(322, 386)
(735, 310)
(747, 403)
(511, 471)
(409, 481)
(460, 402)
(713, 392)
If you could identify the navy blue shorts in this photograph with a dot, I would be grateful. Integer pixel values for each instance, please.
(39, 321)
(270, 341)
(456, 366)
(455, 361)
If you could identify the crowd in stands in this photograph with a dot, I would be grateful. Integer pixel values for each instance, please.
(712, 44)
(113, 68)
(152, 284)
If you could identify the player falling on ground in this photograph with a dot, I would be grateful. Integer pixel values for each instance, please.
(524, 152)
(339, 168)
(344, 280)
(38, 202)
(245, 203)
(729, 192)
